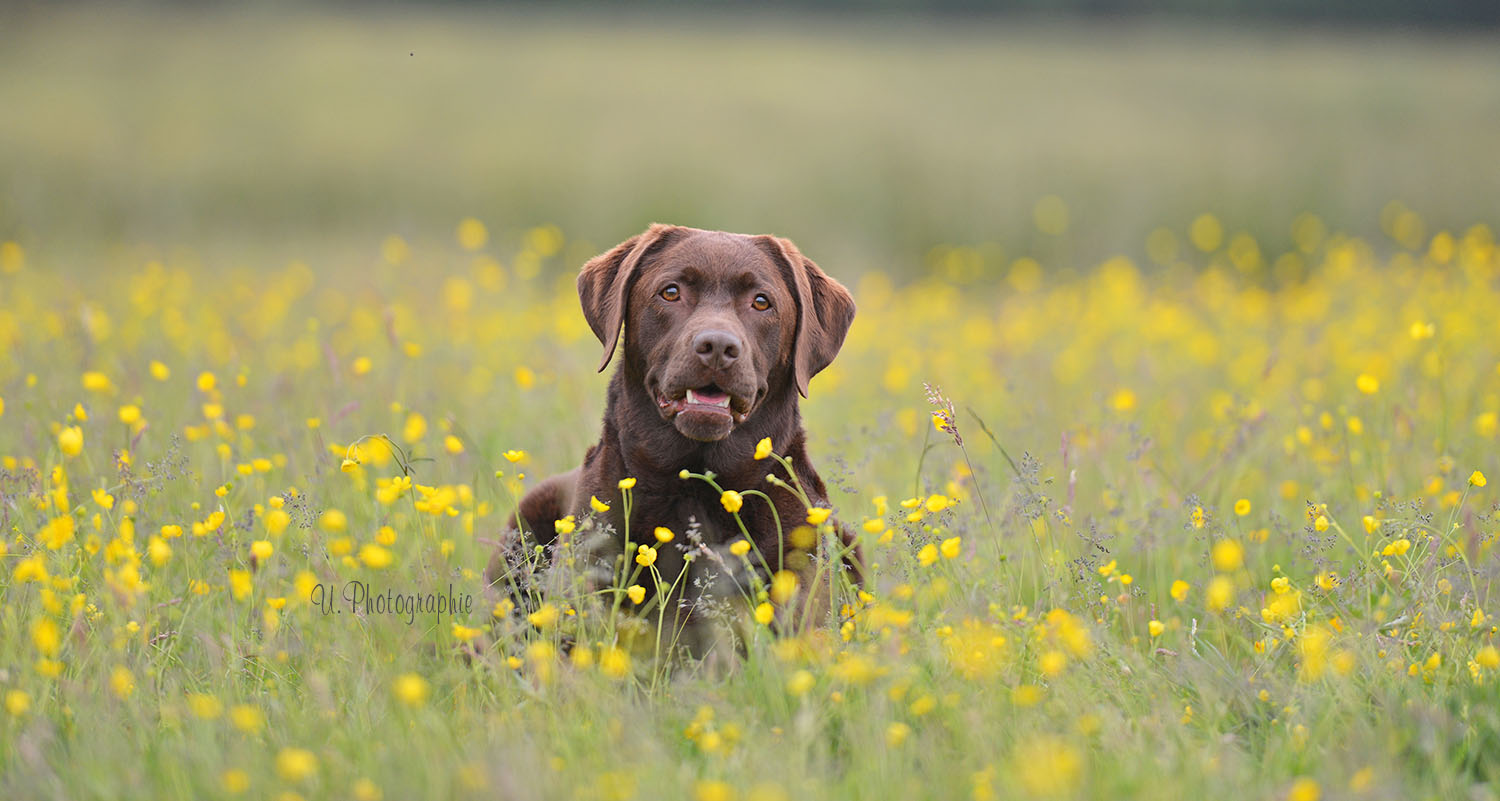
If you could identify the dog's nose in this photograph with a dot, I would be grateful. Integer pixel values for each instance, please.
(717, 349)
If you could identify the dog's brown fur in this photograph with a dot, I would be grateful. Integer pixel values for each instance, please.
(712, 335)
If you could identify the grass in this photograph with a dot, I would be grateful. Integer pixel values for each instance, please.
(1223, 516)
(1308, 462)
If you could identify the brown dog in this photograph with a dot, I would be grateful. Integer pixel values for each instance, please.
(722, 332)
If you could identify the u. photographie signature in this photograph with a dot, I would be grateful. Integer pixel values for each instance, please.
(358, 598)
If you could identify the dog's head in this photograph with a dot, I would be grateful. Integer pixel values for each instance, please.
(714, 323)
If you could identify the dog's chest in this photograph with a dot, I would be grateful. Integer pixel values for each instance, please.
(691, 517)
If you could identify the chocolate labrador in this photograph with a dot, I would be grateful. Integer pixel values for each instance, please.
(721, 334)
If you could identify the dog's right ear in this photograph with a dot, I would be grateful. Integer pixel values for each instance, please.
(604, 284)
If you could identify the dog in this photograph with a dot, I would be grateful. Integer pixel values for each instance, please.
(719, 335)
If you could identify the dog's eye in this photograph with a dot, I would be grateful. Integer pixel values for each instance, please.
(761, 302)
(671, 292)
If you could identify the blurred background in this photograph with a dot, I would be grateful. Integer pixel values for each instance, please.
(872, 134)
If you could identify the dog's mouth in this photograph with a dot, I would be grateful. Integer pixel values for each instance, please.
(709, 400)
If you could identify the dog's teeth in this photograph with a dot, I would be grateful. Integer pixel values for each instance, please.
(722, 402)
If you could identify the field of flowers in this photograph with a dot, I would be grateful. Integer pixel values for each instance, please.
(1215, 518)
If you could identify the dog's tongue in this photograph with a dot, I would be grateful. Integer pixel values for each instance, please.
(709, 398)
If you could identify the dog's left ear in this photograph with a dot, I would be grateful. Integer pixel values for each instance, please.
(824, 310)
(604, 284)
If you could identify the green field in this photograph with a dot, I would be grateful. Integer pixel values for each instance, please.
(286, 300)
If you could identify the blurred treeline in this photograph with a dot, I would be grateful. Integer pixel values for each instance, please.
(1403, 12)
(278, 130)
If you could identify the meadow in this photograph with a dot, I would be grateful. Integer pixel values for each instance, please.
(1165, 488)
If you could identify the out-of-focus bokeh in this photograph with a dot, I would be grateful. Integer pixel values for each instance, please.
(867, 138)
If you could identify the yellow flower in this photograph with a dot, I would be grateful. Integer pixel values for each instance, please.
(295, 764)
(246, 718)
(46, 637)
(545, 617)
(276, 521)
(159, 371)
(1242, 507)
(122, 681)
(614, 662)
(464, 633)
(896, 734)
(763, 449)
(1281, 585)
(453, 444)
(732, 501)
(1304, 789)
(927, 555)
(206, 382)
(1397, 548)
(205, 706)
(739, 547)
(950, 547)
(411, 689)
(627, 483)
(714, 791)
(375, 557)
(663, 534)
(1156, 627)
(94, 381)
(32, 568)
(937, 503)
(130, 414)
(764, 614)
(415, 428)
(783, 586)
(1220, 593)
(239, 584)
(261, 550)
(1488, 658)
(818, 515)
(1368, 384)
(800, 682)
(333, 521)
(636, 593)
(17, 702)
(1180, 590)
(472, 235)
(1228, 556)
(564, 526)
(1321, 523)
(645, 556)
(514, 456)
(1048, 766)
(159, 551)
(70, 440)
(597, 505)
(1477, 479)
